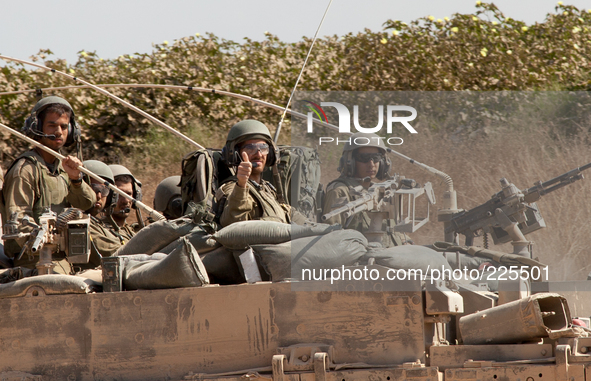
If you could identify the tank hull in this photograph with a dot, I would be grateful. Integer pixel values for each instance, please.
(169, 334)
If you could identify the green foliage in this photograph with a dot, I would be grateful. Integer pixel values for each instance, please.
(480, 51)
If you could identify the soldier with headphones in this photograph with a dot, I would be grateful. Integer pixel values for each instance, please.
(168, 199)
(36, 180)
(246, 196)
(117, 218)
(363, 161)
(104, 241)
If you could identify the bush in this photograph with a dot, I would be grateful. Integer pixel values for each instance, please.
(481, 51)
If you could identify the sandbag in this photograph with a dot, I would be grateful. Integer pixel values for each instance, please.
(52, 284)
(199, 238)
(240, 235)
(156, 236)
(469, 262)
(96, 275)
(332, 250)
(142, 257)
(93, 278)
(181, 268)
(409, 257)
(222, 267)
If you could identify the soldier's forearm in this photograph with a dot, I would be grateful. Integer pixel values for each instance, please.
(81, 197)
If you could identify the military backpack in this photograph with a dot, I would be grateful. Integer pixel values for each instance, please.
(203, 171)
(299, 170)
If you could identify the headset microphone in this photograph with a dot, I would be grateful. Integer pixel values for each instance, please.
(42, 135)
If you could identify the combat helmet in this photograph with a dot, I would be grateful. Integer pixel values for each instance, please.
(119, 170)
(167, 198)
(359, 140)
(101, 169)
(33, 127)
(246, 130)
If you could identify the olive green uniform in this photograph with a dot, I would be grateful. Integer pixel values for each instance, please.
(255, 202)
(103, 242)
(106, 239)
(32, 185)
(127, 231)
(338, 194)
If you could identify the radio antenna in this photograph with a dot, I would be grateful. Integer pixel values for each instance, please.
(277, 132)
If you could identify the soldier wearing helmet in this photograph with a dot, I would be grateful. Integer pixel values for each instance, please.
(363, 162)
(117, 218)
(103, 238)
(246, 196)
(37, 180)
(167, 198)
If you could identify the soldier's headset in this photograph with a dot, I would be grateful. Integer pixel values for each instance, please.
(347, 164)
(137, 190)
(136, 185)
(112, 200)
(34, 129)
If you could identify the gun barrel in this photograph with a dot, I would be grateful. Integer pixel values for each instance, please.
(534, 193)
(566, 175)
(39, 238)
(336, 212)
(351, 206)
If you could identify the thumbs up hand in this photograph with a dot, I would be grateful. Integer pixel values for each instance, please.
(243, 171)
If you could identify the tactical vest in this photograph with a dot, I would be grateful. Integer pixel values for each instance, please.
(348, 181)
(98, 247)
(268, 204)
(50, 186)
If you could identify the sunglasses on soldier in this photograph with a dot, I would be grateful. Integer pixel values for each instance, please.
(100, 188)
(366, 157)
(253, 148)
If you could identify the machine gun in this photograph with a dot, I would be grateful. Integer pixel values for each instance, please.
(510, 213)
(67, 233)
(393, 199)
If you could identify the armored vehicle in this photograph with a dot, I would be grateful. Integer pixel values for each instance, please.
(379, 328)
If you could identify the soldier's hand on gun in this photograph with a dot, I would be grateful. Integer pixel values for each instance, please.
(243, 171)
(71, 164)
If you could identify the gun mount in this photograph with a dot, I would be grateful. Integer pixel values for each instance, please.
(391, 200)
(67, 233)
(511, 213)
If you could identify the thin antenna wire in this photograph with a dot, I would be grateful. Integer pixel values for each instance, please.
(276, 138)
